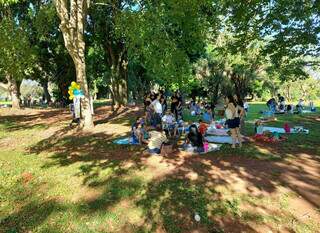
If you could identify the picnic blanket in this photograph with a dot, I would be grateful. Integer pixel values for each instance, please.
(193, 150)
(272, 139)
(218, 132)
(125, 141)
(219, 139)
(281, 130)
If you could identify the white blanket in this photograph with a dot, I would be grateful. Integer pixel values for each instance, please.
(281, 130)
(219, 139)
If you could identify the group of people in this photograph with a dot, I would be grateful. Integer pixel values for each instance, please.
(280, 107)
(156, 106)
(204, 109)
(165, 122)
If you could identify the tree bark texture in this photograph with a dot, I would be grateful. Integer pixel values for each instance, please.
(119, 73)
(46, 93)
(13, 88)
(72, 17)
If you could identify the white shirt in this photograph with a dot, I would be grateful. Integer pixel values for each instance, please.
(157, 106)
(300, 102)
(245, 105)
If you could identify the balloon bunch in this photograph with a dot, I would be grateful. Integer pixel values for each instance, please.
(74, 90)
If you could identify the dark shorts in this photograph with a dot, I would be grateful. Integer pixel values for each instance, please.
(233, 123)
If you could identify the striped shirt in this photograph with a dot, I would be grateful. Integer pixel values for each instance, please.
(156, 139)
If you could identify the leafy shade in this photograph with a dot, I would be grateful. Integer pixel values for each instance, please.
(167, 36)
(16, 55)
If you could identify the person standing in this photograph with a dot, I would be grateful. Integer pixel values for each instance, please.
(232, 122)
(246, 107)
(179, 106)
(163, 102)
(157, 108)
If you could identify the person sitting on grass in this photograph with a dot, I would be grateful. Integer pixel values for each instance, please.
(272, 105)
(157, 138)
(258, 127)
(195, 139)
(207, 116)
(138, 131)
(169, 123)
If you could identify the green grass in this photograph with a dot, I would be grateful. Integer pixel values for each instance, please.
(5, 102)
(84, 183)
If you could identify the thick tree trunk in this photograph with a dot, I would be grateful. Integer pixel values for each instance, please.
(13, 87)
(119, 87)
(46, 93)
(73, 16)
(117, 59)
(85, 101)
(216, 93)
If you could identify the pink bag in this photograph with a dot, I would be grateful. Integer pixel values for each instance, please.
(206, 146)
(286, 128)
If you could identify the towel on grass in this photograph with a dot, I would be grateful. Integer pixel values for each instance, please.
(281, 130)
(219, 139)
(125, 141)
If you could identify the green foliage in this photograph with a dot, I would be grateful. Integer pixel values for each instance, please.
(16, 54)
(165, 36)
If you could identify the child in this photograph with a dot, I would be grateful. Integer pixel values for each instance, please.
(75, 119)
(202, 127)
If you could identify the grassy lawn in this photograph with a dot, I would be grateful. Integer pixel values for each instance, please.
(56, 179)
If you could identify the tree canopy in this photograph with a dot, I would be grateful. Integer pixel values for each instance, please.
(212, 46)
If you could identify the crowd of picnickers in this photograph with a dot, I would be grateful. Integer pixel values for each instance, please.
(164, 119)
(279, 106)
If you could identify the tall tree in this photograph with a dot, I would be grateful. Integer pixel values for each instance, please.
(16, 54)
(73, 15)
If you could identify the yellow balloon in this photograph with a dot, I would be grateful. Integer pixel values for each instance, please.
(78, 87)
(73, 84)
(70, 97)
(70, 92)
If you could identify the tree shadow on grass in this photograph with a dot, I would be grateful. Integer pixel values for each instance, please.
(30, 216)
(125, 115)
(41, 119)
(29, 204)
(96, 151)
(170, 200)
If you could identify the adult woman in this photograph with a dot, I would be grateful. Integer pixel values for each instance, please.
(241, 112)
(179, 106)
(232, 121)
(163, 102)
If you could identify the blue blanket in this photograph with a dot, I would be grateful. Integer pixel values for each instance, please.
(125, 141)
